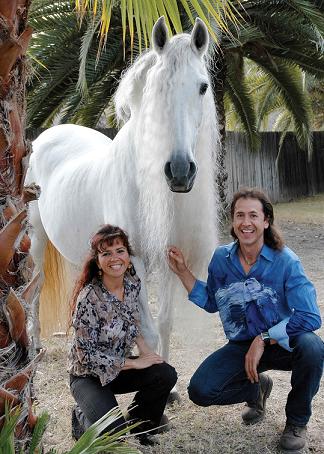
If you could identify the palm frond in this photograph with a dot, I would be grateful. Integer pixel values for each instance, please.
(92, 442)
(86, 41)
(7, 444)
(146, 12)
(288, 80)
(238, 92)
(38, 433)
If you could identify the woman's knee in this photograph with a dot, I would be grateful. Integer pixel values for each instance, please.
(165, 374)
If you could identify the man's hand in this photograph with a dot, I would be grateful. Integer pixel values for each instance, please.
(176, 260)
(178, 265)
(252, 359)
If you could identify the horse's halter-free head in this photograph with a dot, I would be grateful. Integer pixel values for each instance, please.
(180, 171)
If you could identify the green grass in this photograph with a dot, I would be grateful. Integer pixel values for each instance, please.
(306, 210)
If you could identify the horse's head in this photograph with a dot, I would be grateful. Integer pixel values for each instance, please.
(182, 81)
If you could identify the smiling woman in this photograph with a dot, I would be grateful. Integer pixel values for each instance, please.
(106, 321)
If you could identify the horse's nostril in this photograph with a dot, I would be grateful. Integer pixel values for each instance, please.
(167, 170)
(192, 169)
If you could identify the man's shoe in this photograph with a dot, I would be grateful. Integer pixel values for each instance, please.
(254, 411)
(293, 437)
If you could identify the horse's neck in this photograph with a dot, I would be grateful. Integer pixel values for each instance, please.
(116, 182)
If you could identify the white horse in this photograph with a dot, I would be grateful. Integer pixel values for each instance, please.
(155, 179)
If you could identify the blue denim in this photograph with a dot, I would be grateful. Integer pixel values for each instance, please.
(221, 378)
(275, 295)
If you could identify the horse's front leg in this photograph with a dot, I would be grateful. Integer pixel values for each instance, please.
(148, 328)
(165, 321)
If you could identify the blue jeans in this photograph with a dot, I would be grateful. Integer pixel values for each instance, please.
(221, 378)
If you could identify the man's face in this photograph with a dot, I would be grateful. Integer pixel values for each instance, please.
(249, 222)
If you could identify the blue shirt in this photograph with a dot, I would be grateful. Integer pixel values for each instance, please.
(275, 295)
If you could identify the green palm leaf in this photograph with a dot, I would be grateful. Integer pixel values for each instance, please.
(146, 12)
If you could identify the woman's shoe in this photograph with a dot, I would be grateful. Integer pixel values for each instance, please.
(77, 429)
(147, 440)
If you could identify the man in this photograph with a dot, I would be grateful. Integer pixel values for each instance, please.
(268, 310)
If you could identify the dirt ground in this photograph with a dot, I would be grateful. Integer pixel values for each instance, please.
(216, 429)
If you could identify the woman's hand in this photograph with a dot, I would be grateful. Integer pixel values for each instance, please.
(147, 360)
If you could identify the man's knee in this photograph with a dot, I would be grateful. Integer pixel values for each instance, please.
(309, 347)
(200, 395)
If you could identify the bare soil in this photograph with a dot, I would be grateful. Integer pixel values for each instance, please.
(216, 429)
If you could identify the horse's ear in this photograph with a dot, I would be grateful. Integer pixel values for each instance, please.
(159, 35)
(199, 37)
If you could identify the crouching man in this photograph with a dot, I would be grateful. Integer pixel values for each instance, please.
(269, 313)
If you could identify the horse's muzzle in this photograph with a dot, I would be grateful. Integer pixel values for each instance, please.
(180, 175)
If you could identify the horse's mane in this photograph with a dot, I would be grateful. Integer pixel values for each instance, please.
(131, 84)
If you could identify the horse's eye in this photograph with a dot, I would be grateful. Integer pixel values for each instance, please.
(203, 88)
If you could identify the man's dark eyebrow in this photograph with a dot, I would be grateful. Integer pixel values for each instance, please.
(252, 211)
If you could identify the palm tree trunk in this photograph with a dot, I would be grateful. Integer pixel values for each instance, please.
(218, 85)
(16, 290)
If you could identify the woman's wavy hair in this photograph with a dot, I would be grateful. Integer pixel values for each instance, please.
(105, 236)
(272, 236)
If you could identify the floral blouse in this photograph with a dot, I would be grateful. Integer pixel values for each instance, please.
(105, 329)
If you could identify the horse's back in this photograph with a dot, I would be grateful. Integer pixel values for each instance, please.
(60, 144)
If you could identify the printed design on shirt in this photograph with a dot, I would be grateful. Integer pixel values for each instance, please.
(247, 308)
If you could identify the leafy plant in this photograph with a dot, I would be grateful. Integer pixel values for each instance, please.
(91, 442)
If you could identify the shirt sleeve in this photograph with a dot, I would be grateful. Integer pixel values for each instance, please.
(92, 354)
(203, 294)
(300, 296)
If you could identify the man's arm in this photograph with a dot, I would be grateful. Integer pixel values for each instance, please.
(300, 296)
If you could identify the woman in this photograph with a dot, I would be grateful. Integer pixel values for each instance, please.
(105, 318)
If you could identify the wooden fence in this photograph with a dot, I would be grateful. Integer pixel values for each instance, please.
(294, 176)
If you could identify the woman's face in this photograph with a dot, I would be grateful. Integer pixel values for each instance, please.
(114, 259)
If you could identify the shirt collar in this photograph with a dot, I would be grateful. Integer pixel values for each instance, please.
(267, 252)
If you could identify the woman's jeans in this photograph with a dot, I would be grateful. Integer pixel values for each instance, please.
(152, 384)
(221, 378)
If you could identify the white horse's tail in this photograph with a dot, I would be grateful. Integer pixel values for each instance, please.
(56, 293)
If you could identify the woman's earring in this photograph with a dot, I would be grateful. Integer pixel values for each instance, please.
(100, 272)
(131, 269)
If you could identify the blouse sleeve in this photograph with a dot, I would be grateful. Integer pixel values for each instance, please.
(93, 355)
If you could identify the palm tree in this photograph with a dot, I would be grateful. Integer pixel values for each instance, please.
(266, 57)
(20, 428)
(16, 292)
